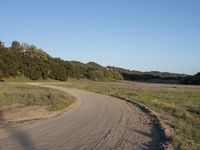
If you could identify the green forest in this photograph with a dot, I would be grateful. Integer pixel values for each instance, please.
(22, 59)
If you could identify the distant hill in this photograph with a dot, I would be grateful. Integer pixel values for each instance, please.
(94, 65)
(152, 76)
(34, 63)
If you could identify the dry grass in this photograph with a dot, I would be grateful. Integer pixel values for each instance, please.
(15, 94)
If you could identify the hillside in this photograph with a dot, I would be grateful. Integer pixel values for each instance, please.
(34, 63)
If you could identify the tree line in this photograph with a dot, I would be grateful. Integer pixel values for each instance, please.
(32, 62)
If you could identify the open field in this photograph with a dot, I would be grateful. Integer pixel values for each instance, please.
(178, 106)
(19, 101)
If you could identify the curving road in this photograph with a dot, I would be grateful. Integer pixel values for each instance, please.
(95, 122)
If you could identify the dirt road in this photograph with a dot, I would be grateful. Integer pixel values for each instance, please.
(95, 122)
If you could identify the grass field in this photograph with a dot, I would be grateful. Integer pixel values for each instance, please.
(178, 106)
(27, 95)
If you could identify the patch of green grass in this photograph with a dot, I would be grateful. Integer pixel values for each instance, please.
(27, 95)
(177, 106)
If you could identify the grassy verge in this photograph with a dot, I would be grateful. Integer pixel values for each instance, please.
(178, 106)
(25, 79)
(27, 95)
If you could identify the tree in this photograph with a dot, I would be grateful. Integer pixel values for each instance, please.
(96, 75)
(58, 72)
(15, 45)
(1, 44)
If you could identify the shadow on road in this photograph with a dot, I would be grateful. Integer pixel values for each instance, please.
(18, 136)
(155, 143)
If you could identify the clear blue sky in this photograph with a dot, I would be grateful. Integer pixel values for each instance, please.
(142, 35)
